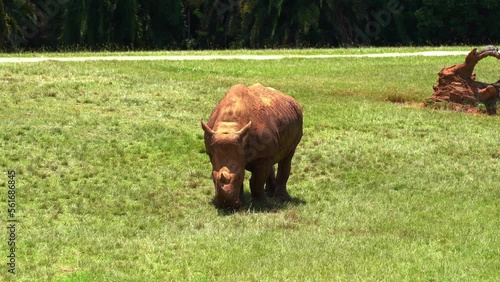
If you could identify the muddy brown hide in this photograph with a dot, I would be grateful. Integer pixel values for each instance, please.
(252, 128)
(457, 84)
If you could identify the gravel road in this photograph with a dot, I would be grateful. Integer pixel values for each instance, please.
(226, 57)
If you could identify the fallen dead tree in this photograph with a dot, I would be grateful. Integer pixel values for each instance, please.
(458, 88)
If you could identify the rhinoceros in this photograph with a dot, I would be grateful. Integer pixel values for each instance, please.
(252, 128)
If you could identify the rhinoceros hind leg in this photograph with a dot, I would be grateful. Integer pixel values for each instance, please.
(284, 168)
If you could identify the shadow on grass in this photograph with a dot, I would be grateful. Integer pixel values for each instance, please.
(272, 205)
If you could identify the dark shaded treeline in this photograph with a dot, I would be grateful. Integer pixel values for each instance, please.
(201, 24)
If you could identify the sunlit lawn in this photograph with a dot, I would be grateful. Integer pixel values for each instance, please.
(114, 184)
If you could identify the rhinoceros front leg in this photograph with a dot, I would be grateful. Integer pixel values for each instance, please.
(242, 199)
(271, 183)
(284, 168)
(260, 174)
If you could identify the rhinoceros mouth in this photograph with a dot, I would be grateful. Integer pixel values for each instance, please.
(226, 204)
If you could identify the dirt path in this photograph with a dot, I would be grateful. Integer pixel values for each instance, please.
(227, 57)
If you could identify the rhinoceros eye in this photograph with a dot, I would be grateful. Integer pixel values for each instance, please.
(232, 165)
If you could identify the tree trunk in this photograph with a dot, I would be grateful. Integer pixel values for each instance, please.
(457, 84)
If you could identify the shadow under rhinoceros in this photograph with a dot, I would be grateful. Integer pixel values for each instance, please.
(271, 205)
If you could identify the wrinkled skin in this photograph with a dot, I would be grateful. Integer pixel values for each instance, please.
(252, 128)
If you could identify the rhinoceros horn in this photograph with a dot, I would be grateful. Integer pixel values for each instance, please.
(225, 177)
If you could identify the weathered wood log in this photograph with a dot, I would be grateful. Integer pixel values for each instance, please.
(457, 84)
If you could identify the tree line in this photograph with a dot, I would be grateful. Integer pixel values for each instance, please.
(222, 24)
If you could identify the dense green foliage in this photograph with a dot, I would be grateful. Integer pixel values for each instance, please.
(114, 183)
(201, 24)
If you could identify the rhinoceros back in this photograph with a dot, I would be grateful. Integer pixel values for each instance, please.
(276, 120)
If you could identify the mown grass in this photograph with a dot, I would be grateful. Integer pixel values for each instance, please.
(114, 185)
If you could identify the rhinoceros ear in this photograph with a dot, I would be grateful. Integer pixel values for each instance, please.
(206, 128)
(242, 132)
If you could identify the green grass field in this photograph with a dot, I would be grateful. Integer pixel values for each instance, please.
(113, 183)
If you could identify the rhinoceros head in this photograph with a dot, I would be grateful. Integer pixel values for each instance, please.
(226, 150)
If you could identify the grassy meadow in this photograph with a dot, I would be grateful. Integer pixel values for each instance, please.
(113, 183)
